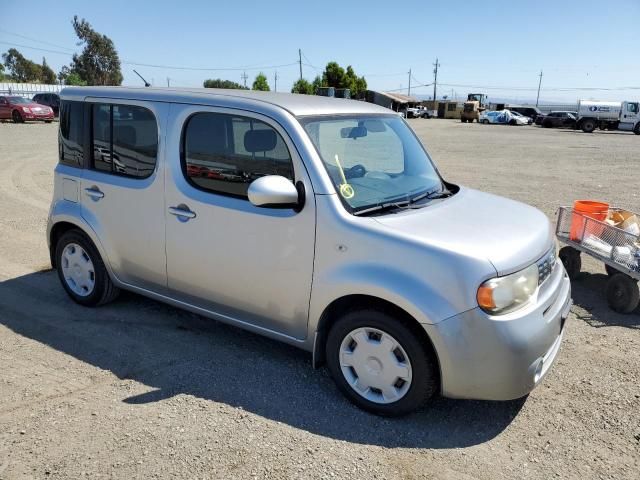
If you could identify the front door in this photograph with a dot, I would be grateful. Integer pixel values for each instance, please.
(122, 192)
(249, 265)
(630, 115)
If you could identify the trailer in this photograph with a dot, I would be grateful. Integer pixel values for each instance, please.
(608, 116)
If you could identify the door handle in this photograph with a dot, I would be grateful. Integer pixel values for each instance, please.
(182, 211)
(94, 192)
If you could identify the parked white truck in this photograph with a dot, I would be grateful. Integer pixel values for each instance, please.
(608, 116)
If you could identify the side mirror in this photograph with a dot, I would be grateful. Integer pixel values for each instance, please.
(274, 191)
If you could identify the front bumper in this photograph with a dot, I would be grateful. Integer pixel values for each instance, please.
(35, 116)
(503, 357)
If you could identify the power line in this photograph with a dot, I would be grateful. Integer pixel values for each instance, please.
(34, 39)
(167, 67)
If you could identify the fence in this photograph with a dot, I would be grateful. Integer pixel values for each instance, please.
(27, 89)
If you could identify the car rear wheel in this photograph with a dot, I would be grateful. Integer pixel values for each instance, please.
(485, 121)
(82, 271)
(16, 116)
(637, 129)
(380, 364)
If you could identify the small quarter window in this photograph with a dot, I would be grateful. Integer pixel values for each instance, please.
(124, 140)
(70, 133)
(224, 153)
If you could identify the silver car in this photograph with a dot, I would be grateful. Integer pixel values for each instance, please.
(316, 221)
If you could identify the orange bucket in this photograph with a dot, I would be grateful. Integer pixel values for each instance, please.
(586, 208)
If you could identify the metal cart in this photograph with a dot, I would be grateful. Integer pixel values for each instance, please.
(618, 249)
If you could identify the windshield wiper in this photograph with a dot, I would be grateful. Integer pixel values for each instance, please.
(406, 204)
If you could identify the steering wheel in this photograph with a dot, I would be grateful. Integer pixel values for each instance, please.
(357, 171)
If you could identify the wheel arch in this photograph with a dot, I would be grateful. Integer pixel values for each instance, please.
(347, 303)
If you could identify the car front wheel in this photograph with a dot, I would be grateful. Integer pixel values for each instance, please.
(380, 364)
(82, 271)
(16, 116)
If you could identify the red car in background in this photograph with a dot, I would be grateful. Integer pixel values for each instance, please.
(20, 109)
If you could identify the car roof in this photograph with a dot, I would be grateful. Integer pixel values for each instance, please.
(296, 104)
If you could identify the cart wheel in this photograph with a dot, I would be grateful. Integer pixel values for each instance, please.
(623, 295)
(571, 260)
(610, 270)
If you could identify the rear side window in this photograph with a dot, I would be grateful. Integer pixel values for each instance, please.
(71, 133)
(224, 153)
(124, 140)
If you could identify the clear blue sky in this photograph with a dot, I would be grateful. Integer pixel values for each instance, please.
(577, 43)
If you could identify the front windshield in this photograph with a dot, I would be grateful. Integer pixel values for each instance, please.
(373, 160)
(19, 100)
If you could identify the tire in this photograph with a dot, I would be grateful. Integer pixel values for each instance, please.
(637, 129)
(418, 360)
(512, 122)
(48, 121)
(623, 295)
(485, 122)
(76, 245)
(16, 116)
(588, 126)
(571, 260)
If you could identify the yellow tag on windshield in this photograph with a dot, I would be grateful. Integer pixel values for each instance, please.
(346, 190)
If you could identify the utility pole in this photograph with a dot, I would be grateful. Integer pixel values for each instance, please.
(300, 62)
(275, 82)
(409, 89)
(168, 84)
(435, 78)
(539, 83)
(244, 78)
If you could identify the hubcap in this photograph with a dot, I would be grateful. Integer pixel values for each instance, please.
(77, 269)
(375, 365)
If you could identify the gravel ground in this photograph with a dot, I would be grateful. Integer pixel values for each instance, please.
(138, 389)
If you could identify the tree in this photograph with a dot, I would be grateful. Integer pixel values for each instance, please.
(48, 75)
(303, 86)
(98, 64)
(317, 83)
(335, 76)
(20, 68)
(260, 83)
(219, 83)
(3, 76)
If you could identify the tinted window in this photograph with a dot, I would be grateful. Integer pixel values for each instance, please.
(124, 140)
(71, 133)
(225, 153)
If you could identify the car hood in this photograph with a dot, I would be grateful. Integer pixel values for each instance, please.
(509, 234)
(36, 105)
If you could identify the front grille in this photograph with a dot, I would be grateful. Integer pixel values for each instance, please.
(545, 266)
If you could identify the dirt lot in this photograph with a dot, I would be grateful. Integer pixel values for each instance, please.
(138, 389)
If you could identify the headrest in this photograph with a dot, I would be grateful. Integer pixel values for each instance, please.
(260, 140)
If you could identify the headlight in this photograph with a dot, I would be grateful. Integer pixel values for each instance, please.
(26, 109)
(505, 294)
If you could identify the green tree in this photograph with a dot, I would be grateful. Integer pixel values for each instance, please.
(260, 83)
(317, 83)
(20, 68)
(3, 76)
(219, 83)
(98, 64)
(303, 86)
(336, 76)
(48, 76)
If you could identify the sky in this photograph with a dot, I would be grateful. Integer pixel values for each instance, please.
(585, 49)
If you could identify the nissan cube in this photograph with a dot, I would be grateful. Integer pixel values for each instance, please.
(316, 221)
